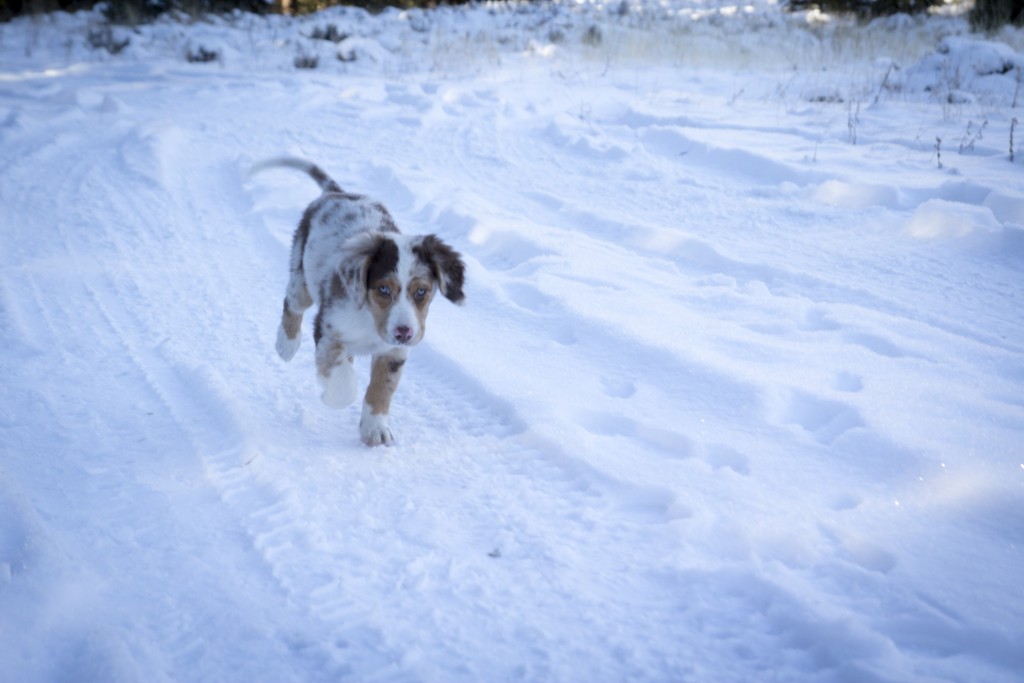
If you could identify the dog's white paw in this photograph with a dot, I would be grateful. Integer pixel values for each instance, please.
(339, 389)
(285, 346)
(374, 429)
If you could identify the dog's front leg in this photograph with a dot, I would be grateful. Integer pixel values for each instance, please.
(384, 376)
(335, 372)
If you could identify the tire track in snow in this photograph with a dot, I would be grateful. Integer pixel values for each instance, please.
(484, 139)
(207, 424)
(531, 475)
(514, 138)
(534, 456)
(513, 303)
(453, 505)
(128, 477)
(428, 408)
(375, 537)
(329, 635)
(265, 511)
(548, 234)
(567, 334)
(113, 308)
(440, 511)
(442, 414)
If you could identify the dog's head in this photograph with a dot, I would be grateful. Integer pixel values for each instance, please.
(395, 276)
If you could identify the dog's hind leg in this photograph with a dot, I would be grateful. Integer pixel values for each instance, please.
(296, 298)
(296, 302)
(384, 377)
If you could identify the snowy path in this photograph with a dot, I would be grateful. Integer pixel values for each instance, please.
(712, 411)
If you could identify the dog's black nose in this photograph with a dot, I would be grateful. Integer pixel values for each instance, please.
(403, 334)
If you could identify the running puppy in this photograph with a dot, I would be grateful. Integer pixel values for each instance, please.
(373, 286)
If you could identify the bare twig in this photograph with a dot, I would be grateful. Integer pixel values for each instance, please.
(1013, 126)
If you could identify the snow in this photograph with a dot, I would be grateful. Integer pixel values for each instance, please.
(737, 393)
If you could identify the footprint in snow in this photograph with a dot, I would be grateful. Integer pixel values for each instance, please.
(723, 457)
(845, 501)
(545, 200)
(818, 321)
(861, 551)
(848, 381)
(618, 387)
(665, 441)
(559, 327)
(875, 344)
(502, 249)
(824, 419)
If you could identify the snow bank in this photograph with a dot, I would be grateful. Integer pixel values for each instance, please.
(692, 33)
(938, 218)
(963, 69)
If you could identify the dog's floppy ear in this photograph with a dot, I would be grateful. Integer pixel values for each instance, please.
(365, 259)
(447, 265)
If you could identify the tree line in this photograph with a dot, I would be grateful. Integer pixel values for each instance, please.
(986, 15)
(142, 11)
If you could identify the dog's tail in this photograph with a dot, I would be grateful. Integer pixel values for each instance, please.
(325, 181)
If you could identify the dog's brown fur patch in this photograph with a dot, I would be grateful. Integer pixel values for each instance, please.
(384, 377)
(291, 322)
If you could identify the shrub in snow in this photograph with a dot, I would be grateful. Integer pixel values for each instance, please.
(866, 8)
(329, 33)
(943, 219)
(361, 49)
(826, 94)
(972, 135)
(963, 69)
(201, 55)
(306, 61)
(104, 38)
(1013, 144)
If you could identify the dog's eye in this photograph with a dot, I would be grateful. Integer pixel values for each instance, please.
(420, 293)
(384, 290)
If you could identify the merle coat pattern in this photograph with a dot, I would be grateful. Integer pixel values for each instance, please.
(373, 287)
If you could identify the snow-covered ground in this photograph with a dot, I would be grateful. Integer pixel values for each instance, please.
(737, 393)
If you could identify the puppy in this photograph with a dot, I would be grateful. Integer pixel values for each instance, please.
(373, 286)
